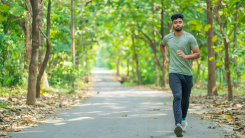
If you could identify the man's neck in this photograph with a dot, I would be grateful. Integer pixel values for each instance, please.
(178, 33)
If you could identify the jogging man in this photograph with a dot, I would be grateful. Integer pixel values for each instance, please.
(180, 44)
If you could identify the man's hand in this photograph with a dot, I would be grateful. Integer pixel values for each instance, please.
(181, 54)
(165, 63)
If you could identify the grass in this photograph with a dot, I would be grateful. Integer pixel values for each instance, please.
(135, 83)
(129, 83)
(220, 92)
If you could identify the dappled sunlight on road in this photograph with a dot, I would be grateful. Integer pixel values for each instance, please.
(115, 111)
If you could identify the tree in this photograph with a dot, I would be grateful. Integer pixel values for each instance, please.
(72, 39)
(45, 61)
(31, 94)
(226, 43)
(137, 63)
(162, 34)
(212, 90)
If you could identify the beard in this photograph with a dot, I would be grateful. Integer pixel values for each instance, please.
(178, 29)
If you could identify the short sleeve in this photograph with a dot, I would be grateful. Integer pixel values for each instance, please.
(193, 42)
(164, 40)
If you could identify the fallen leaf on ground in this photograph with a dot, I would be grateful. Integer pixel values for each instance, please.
(153, 118)
(210, 127)
(154, 109)
(4, 133)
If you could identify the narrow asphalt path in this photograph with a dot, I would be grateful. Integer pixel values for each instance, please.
(102, 116)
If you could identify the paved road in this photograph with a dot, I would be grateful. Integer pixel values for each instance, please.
(101, 116)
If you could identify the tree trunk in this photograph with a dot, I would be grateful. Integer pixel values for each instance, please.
(77, 57)
(198, 69)
(45, 62)
(212, 90)
(137, 65)
(235, 43)
(44, 81)
(226, 43)
(128, 67)
(73, 41)
(28, 47)
(156, 73)
(118, 62)
(31, 94)
(162, 33)
(227, 69)
(154, 45)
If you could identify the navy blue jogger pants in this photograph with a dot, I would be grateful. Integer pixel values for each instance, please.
(181, 88)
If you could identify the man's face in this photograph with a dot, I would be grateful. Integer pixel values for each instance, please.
(178, 24)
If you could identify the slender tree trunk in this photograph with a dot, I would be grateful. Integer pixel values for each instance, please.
(128, 67)
(212, 90)
(31, 94)
(118, 62)
(137, 64)
(162, 33)
(3, 65)
(77, 57)
(28, 47)
(226, 43)
(235, 43)
(198, 69)
(45, 62)
(154, 46)
(44, 81)
(73, 41)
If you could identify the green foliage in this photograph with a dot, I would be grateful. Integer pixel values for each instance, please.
(104, 31)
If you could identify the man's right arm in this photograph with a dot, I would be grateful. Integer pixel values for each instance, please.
(164, 53)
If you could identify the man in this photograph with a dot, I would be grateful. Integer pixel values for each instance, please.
(180, 44)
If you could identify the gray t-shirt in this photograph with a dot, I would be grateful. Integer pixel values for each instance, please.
(185, 42)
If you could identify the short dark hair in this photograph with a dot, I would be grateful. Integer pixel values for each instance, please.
(176, 16)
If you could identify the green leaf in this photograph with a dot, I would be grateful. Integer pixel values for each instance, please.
(213, 47)
(214, 39)
(202, 34)
(239, 4)
(3, 7)
(124, 115)
(218, 49)
(220, 13)
(193, 22)
(243, 18)
(231, 31)
(198, 27)
(219, 63)
(240, 36)
(16, 9)
(192, 27)
(199, 9)
(207, 27)
(211, 58)
(2, 18)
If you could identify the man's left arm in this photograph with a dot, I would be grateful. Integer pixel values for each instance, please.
(195, 55)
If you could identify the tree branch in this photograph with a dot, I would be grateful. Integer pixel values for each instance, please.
(19, 21)
(145, 35)
(137, 37)
(88, 2)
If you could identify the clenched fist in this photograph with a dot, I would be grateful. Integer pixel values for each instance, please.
(181, 54)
